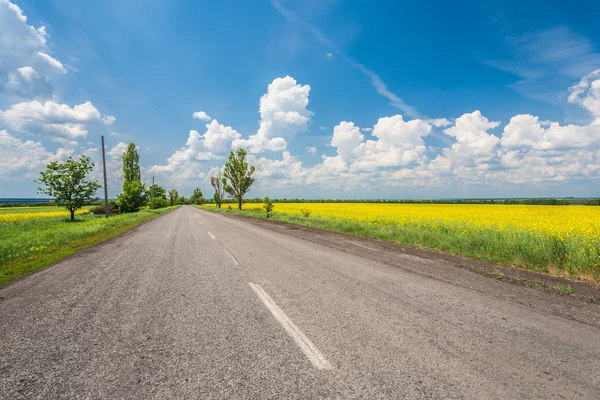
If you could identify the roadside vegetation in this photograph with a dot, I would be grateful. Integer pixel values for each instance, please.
(39, 239)
(33, 237)
(562, 241)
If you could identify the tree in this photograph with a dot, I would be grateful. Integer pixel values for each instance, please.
(131, 164)
(237, 176)
(197, 197)
(173, 196)
(217, 183)
(268, 205)
(134, 191)
(133, 197)
(156, 193)
(66, 182)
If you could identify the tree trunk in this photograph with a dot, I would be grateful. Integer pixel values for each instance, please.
(72, 215)
(240, 203)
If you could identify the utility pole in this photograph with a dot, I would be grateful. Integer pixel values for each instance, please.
(153, 193)
(105, 185)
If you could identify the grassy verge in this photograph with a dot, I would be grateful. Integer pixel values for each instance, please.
(514, 248)
(36, 243)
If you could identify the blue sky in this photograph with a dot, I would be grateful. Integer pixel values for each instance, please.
(332, 98)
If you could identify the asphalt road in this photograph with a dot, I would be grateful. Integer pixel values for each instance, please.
(198, 305)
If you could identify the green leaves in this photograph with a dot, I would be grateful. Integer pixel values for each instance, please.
(173, 196)
(131, 165)
(217, 183)
(66, 182)
(134, 191)
(237, 176)
(133, 196)
(197, 197)
(268, 205)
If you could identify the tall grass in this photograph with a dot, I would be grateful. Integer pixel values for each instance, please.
(34, 243)
(537, 252)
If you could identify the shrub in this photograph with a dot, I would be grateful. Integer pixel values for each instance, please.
(100, 210)
(305, 211)
(268, 205)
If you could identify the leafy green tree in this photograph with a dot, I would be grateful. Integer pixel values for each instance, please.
(197, 197)
(134, 191)
(157, 193)
(268, 205)
(131, 164)
(173, 196)
(217, 184)
(67, 183)
(237, 176)
(159, 202)
(133, 197)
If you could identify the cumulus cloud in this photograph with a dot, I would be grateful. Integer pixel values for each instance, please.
(185, 164)
(472, 136)
(397, 143)
(480, 153)
(19, 159)
(26, 82)
(201, 115)
(587, 93)
(26, 67)
(283, 115)
(50, 118)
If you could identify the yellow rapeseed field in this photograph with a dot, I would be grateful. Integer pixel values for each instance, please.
(561, 221)
(22, 217)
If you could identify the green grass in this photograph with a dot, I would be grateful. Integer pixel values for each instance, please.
(28, 210)
(30, 245)
(518, 249)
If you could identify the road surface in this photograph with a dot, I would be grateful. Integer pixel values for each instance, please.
(201, 305)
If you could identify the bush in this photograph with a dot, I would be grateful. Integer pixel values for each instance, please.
(159, 202)
(133, 197)
(100, 210)
(268, 205)
(305, 211)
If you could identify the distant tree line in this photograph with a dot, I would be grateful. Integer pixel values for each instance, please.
(533, 201)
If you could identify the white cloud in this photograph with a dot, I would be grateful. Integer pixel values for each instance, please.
(329, 55)
(109, 119)
(346, 138)
(481, 156)
(218, 138)
(117, 151)
(439, 122)
(26, 82)
(23, 46)
(24, 159)
(322, 128)
(398, 143)
(587, 93)
(52, 62)
(471, 134)
(201, 115)
(50, 118)
(283, 115)
(185, 163)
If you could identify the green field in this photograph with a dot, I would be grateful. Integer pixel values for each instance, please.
(36, 242)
